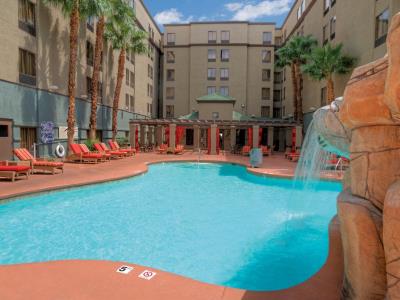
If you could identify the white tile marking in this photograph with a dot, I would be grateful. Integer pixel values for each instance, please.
(124, 270)
(148, 275)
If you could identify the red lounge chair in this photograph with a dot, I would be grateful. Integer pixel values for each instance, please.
(13, 171)
(79, 155)
(179, 149)
(38, 164)
(246, 150)
(265, 150)
(162, 149)
(114, 154)
(86, 150)
(114, 146)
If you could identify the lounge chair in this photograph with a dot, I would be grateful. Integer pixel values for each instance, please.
(38, 164)
(103, 150)
(82, 157)
(86, 150)
(246, 150)
(265, 150)
(13, 171)
(114, 146)
(179, 149)
(162, 149)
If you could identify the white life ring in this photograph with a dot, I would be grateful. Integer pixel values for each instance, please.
(60, 151)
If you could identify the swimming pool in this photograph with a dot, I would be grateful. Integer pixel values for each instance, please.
(211, 222)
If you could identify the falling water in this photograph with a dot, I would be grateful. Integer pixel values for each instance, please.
(313, 159)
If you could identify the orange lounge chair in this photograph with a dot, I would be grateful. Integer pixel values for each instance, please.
(246, 150)
(265, 150)
(114, 146)
(114, 154)
(86, 150)
(38, 164)
(179, 149)
(162, 149)
(82, 157)
(13, 171)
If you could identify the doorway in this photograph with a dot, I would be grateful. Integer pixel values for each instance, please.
(6, 140)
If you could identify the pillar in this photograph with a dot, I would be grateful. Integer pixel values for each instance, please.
(271, 137)
(159, 135)
(132, 134)
(256, 136)
(196, 137)
(150, 135)
(143, 133)
(233, 137)
(172, 133)
(299, 136)
(213, 149)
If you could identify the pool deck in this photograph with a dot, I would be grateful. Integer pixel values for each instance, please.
(80, 279)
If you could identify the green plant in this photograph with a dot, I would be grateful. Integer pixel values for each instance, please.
(90, 144)
(122, 141)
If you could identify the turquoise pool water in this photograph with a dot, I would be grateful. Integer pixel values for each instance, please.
(211, 222)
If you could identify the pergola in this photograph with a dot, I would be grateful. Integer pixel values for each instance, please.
(152, 131)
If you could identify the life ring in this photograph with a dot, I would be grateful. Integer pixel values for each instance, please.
(60, 151)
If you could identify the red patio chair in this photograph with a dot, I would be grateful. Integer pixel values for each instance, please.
(79, 155)
(114, 146)
(38, 164)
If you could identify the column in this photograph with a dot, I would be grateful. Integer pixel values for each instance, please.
(256, 136)
(299, 136)
(196, 137)
(172, 133)
(233, 137)
(213, 150)
(132, 134)
(282, 139)
(159, 135)
(271, 137)
(150, 135)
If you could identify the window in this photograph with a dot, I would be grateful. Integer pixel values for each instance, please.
(170, 57)
(225, 55)
(278, 40)
(169, 111)
(265, 111)
(170, 93)
(303, 6)
(327, 4)
(266, 94)
(127, 77)
(89, 53)
(333, 27)
(224, 91)
(266, 75)
(171, 38)
(211, 90)
(4, 131)
(170, 75)
(299, 13)
(266, 56)
(132, 108)
(212, 37)
(27, 16)
(277, 95)
(90, 23)
(212, 55)
(215, 115)
(225, 36)
(224, 74)
(127, 98)
(149, 90)
(28, 137)
(323, 96)
(132, 80)
(212, 74)
(267, 38)
(150, 71)
(277, 77)
(276, 113)
(325, 34)
(27, 67)
(381, 27)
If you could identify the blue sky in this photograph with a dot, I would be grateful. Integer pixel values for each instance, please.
(182, 11)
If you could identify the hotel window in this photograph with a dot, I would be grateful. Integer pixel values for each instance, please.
(170, 93)
(277, 95)
(277, 77)
(265, 111)
(278, 40)
(212, 37)
(225, 55)
(267, 38)
(266, 94)
(90, 23)
(325, 34)
(170, 57)
(127, 98)
(299, 13)
(27, 67)
(132, 79)
(212, 74)
(28, 137)
(127, 77)
(132, 107)
(171, 38)
(225, 36)
(212, 55)
(27, 17)
(170, 75)
(150, 71)
(169, 111)
(381, 27)
(266, 75)
(303, 6)
(327, 4)
(224, 75)
(149, 90)
(333, 27)
(224, 91)
(323, 96)
(89, 53)
(266, 56)
(211, 90)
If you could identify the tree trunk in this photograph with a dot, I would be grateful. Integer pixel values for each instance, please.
(73, 56)
(295, 88)
(330, 89)
(299, 95)
(95, 77)
(120, 78)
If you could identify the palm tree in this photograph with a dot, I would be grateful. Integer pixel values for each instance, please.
(324, 62)
(123, 34)
(100, 9)
(70, 8)
(294, 54)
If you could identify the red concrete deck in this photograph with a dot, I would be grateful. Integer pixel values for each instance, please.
(99, 280)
